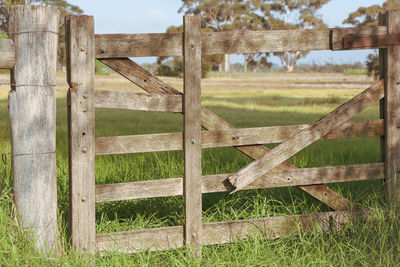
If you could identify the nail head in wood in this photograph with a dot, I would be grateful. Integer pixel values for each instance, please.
(82, 48)
(83, 199)
(193, 141)
(85, 95)
(84, 149)
(194, 235)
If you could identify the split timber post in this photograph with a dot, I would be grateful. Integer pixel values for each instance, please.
(392, 111)
(32, 111)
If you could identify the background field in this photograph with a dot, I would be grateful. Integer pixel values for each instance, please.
(244, 100)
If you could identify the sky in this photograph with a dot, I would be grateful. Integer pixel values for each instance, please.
(151, 16)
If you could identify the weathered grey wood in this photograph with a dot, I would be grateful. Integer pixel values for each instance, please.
(211, 121)
(7, 54)
(371, 41)
(229, 42)
(32, 109)
(222, 232)
(192, 131)
(235, 137)
(137, 101)
(80, 65)
(215, 183)
(139, 76)
(338, 35)
(306, 137)
(392, 113)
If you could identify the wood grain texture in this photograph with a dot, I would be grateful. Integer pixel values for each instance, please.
(392, 113)
(338, 35)
(7, 52)
(32, 109)
(371, 41)
(235, 137)
(137, 101)
(228, 42)
(306, 137)
(222, 232)
(80, 65)
(216, 183)
(192, 131)
(211, 121)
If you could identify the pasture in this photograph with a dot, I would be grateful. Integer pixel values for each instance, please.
(244, 100)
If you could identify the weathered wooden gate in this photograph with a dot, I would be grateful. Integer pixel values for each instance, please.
(114, 49)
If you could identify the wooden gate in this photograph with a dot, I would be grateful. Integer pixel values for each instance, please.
(114, 49)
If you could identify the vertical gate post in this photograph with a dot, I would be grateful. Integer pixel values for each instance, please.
(192, 132)
(392, 113)
(32, 111)
(80, 72)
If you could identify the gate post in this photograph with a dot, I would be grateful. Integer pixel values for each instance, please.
(32, 114)
(80, 76)
(392, 113)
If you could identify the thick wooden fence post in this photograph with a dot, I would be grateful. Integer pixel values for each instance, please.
(392, 112)
(192, 132)
(80, 68)
(32, 111)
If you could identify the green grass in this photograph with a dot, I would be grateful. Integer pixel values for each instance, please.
(375, 242)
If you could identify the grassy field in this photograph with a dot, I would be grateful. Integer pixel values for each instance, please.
(244, 100)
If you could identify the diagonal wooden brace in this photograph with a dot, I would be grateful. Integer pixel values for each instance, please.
(211, 121)
(302, 139)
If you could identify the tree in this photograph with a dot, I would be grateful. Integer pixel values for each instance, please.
(369, 16)
(62, 5)
(290, 15)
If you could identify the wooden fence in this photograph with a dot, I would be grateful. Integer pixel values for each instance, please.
(114, 49)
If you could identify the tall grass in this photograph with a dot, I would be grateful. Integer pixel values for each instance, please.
(374, 242)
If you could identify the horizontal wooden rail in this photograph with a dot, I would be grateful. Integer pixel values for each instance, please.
(216, 183)
(238, 137)
(137, 101)
(222, 232)
(230, 42)
(7, 54)
(371, 41)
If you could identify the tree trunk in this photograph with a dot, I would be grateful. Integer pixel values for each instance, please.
(227, 65)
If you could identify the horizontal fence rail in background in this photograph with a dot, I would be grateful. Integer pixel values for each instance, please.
(7, 54)
(113, 50)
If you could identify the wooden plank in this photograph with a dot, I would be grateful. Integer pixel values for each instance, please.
(139, 76)
(216, 183)
(371, 41)
(229, 42)
(7, 52)
(392, 114)
(222, 232)
(235, 137)
(211, 121)
(32, 114)
(338, 35)
(305, 137)
(192, 131)
(137, 101)
(80, 66)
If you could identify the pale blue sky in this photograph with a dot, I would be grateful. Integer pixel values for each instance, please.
(141, 16)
